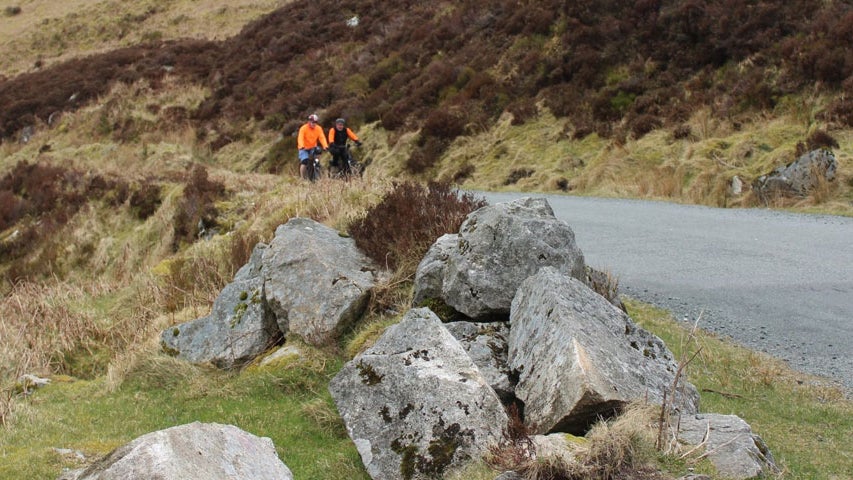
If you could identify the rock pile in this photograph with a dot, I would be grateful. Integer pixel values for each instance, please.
(428, 396)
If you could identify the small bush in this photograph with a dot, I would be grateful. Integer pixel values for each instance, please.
(399, 230)
(426, 156)
(820, 139)
(197, 208)
(11, 11)
(517, 174)
(145, 200)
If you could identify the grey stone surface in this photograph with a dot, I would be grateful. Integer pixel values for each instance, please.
(486, 344)
(414, 403)
(509, 475)
(429, 276)
(497, 247)
(316, 281)
(238, 329)
(555, 447)
(197, 450)
(732, 447)
(798, 178)
(579, 357)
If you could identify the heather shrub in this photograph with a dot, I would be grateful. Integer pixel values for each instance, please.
(197, 207)
(517, 174)
(145, 200)
(399, 230)
(426, 155)
(820, 139)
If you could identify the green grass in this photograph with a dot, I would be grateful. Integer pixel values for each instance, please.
(807, 423)
(288, 403)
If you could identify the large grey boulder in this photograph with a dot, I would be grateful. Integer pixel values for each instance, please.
(486, 344)
(497, 247)
(414, 404)
(197, 450)
(730, 445)
(578, 357)
(238, 329)
(316, 281)
(798, 178)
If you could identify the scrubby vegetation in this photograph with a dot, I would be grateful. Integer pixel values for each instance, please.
(398, 231)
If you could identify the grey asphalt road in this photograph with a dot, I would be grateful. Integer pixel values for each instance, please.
(776, 282)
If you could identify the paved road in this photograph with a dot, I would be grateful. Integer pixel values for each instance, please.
(777, 282)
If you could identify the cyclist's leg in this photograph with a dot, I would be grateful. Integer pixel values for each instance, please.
(303, 164)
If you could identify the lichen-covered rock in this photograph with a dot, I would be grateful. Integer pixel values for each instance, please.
(316, 282)
(414, 404)
(238, 329)
(497, 247)
(798, 178)
(735, 451)
(579, 357)
(486, 344)
(197, 450)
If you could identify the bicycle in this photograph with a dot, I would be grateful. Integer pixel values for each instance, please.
(314, 170)
(351, 167)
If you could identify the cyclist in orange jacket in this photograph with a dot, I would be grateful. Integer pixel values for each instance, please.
(338, 136)
(309, 135)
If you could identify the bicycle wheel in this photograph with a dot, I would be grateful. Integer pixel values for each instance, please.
(316, 170)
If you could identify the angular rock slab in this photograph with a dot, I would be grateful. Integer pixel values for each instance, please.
(486, 344)
(579, 357)
(196, 450)
(316, 282)
(735, 451)
(414, 404)
(238, 329)
(497, 247)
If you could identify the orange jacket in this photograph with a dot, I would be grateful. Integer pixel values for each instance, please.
(308, 137)
(349, 132)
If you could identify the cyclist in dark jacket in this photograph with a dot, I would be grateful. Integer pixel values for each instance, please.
(338, 136)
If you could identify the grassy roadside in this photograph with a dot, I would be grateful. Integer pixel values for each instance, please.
(807, 423)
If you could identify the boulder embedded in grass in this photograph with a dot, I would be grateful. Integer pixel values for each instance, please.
(196, 450)
(735, 451)
(414, 403)
(239, 328)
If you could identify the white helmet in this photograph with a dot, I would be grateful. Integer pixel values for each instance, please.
(313, 118)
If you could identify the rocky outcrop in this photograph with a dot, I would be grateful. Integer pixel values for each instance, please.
(735, 451)
(798, 178)
(197, 450)
(497, 247)
(578, 357)
(238, 329)
(316, 282)
(486, 344)
(414, 404)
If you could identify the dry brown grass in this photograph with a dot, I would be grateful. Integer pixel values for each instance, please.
(48, 31)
